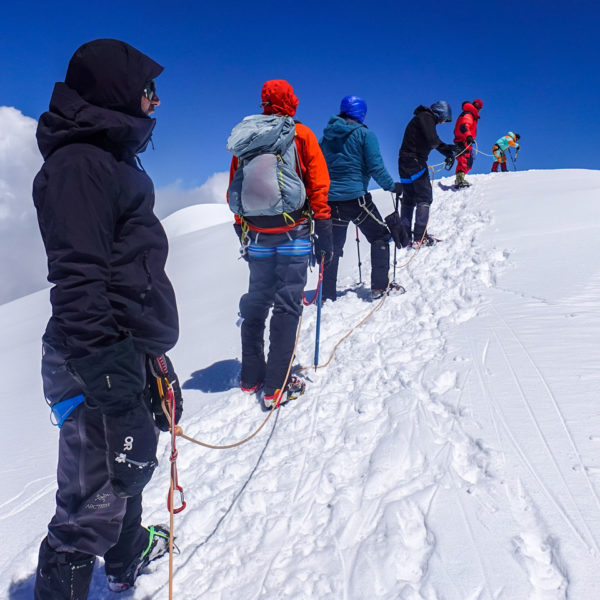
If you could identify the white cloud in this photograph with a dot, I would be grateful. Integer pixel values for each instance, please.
(22, 257)
(20, 160)
(173, 197)
(23, 260)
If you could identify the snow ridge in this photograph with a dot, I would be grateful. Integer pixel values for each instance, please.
(435, 457)
(341, 507)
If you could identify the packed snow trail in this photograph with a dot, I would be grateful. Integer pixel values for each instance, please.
(436, 456)
(355, 466)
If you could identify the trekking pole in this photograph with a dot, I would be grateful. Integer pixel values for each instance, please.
(396, 201)
(319, 302)
(512, 159)
(359, 263)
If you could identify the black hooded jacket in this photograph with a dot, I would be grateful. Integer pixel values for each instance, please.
(420, 138)
(106, 248)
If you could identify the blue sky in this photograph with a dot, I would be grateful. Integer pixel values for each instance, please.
(534, 64)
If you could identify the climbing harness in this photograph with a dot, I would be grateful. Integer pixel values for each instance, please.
(362, 202)
(414, 177)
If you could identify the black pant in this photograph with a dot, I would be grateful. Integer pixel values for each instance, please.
(416, 195)
(89, 519)
(342, 214)
(275, 281)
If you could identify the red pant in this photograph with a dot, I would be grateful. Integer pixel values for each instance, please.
(464, 162)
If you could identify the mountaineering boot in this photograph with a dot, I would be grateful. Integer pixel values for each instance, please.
(460, 181)
(396, 289)
(251, 389)
(393, 290)
(158, 545)
(427, 240)
(294, 388)
(62, 575)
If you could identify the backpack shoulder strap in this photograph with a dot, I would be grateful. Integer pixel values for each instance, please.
(298, 163)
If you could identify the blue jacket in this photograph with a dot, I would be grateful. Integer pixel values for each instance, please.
(352, 154)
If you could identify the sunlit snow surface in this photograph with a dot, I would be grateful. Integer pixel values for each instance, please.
(451, 449)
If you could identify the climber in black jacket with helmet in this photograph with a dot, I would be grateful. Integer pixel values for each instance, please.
(420, 138)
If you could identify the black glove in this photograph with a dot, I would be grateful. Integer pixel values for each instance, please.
(397, 188)
(113, 381)
(470, 140)
(160, 375)
(323, 239)
(397, 230)
(243, 249)
(449, 161)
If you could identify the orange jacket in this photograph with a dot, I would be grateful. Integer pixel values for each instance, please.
(314, 174)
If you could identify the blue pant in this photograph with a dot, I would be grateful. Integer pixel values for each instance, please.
(277, 280)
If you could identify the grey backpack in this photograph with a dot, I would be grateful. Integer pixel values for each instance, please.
(266, 182)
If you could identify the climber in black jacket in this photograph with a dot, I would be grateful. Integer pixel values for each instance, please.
(420, 138)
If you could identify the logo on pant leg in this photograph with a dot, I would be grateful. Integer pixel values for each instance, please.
(99, 502)
(127, 446)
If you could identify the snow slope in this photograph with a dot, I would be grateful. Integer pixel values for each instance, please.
(449, 450)
(194, 218)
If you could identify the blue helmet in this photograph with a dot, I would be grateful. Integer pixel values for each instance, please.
(354, 107)
(442, 111)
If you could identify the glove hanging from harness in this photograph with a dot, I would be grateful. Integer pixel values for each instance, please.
(398, 231)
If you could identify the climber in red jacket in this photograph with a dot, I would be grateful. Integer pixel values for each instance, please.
(465, 132)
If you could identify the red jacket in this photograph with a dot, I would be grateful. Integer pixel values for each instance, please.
(466, 124)
(278, 98)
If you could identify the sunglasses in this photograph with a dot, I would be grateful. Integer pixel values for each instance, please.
(150, 90)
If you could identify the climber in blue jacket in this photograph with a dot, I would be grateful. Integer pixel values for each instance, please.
(352, 154)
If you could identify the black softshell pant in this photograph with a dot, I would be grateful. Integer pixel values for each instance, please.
(350, 211)
(417, 197)
(278, 282)
(90, 520)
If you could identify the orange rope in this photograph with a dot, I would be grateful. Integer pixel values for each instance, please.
(179, 431)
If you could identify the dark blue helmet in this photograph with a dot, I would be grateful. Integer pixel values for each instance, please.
(354, 107)
(442, 111)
